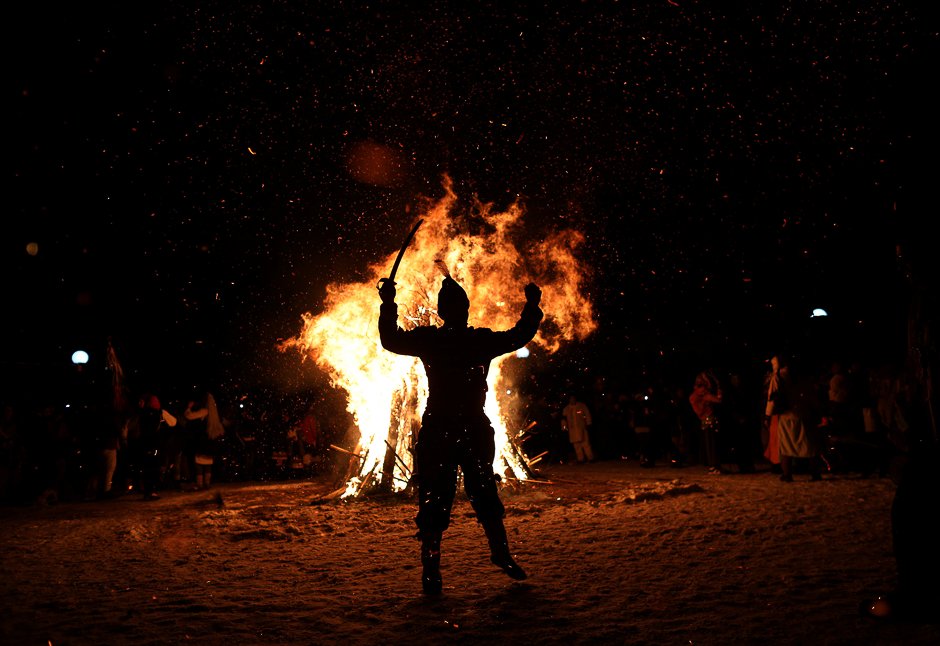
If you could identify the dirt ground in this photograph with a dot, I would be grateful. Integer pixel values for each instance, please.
(616, 554)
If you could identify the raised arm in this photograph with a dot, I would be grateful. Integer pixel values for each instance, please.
(525, 328)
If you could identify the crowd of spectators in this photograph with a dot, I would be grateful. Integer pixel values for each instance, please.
(90, 448)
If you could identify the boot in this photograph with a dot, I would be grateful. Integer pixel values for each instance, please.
(786, 467)
(499, 549)
(431, 581)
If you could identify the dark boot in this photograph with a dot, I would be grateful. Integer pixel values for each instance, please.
(786, 467)
(431, 580)
(499, 549)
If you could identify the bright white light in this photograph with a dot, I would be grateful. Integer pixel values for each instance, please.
(522, 353)
(819, 312)
(79, 357)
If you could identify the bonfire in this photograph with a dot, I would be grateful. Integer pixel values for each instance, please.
(385, 392)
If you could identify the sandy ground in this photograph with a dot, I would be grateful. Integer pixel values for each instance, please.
(616, 555)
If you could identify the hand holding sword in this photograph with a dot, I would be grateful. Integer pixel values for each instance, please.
(387, 285)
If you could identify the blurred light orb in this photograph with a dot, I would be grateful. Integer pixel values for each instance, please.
(32, 248)
(522, 353)
(372, 163)
(79, 357)
(819, 312)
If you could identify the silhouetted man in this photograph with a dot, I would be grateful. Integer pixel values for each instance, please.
(455, 432)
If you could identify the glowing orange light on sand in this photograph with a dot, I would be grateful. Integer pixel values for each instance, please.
(387, 392)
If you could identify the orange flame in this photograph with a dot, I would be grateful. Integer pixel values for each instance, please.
(387, 392)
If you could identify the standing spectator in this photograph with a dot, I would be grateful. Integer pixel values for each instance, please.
(777, 375)
(852, 446)
(683, 424)
(308, 435)
(205, 429)
(645, 427)
(800, 413)
(152, 420)
(624, 438)
(576, 419)
(841, 403)
(174, 465)
(738, 424)
(705, 398)
(113, 439)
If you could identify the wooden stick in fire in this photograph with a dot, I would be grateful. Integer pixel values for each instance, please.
(341, 450)
(398, 457)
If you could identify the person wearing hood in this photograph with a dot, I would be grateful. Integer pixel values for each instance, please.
(455, 431)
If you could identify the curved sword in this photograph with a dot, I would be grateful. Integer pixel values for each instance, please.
(401, 252)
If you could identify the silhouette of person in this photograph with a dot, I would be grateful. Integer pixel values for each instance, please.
(151, 418)
(455, 431)
(576, 418)
(778, 375)
(202, 416)
(705, 398)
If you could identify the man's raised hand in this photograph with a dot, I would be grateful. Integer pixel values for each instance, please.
(387, 291)
(533, 294)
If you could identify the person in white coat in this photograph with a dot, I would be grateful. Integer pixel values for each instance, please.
(576, 419)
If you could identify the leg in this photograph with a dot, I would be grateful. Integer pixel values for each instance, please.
(110, 465)
(436, 477)
(815, 468)
(481, 487)
(431, 581)
(499, 549)
(708, 449)
(579, 451)
(588, 451)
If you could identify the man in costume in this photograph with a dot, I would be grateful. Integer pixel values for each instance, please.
(455, 431)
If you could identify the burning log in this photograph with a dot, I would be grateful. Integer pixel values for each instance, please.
(342, 450)
(388, 466)
(401, 462)
(520, 457)
(537, 458)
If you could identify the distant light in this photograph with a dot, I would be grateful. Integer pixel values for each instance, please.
(522, 353)
(32, 248)
(819, 312)
(79, 357)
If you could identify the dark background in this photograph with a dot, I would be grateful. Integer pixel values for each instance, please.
(189, 174)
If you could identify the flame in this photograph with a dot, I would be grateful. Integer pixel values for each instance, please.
(387, 392)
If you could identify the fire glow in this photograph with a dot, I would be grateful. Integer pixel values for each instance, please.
(386, 392)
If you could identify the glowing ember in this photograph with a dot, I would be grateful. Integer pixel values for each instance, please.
(387, 392)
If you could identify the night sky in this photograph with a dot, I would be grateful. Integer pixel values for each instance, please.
(184, 169)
